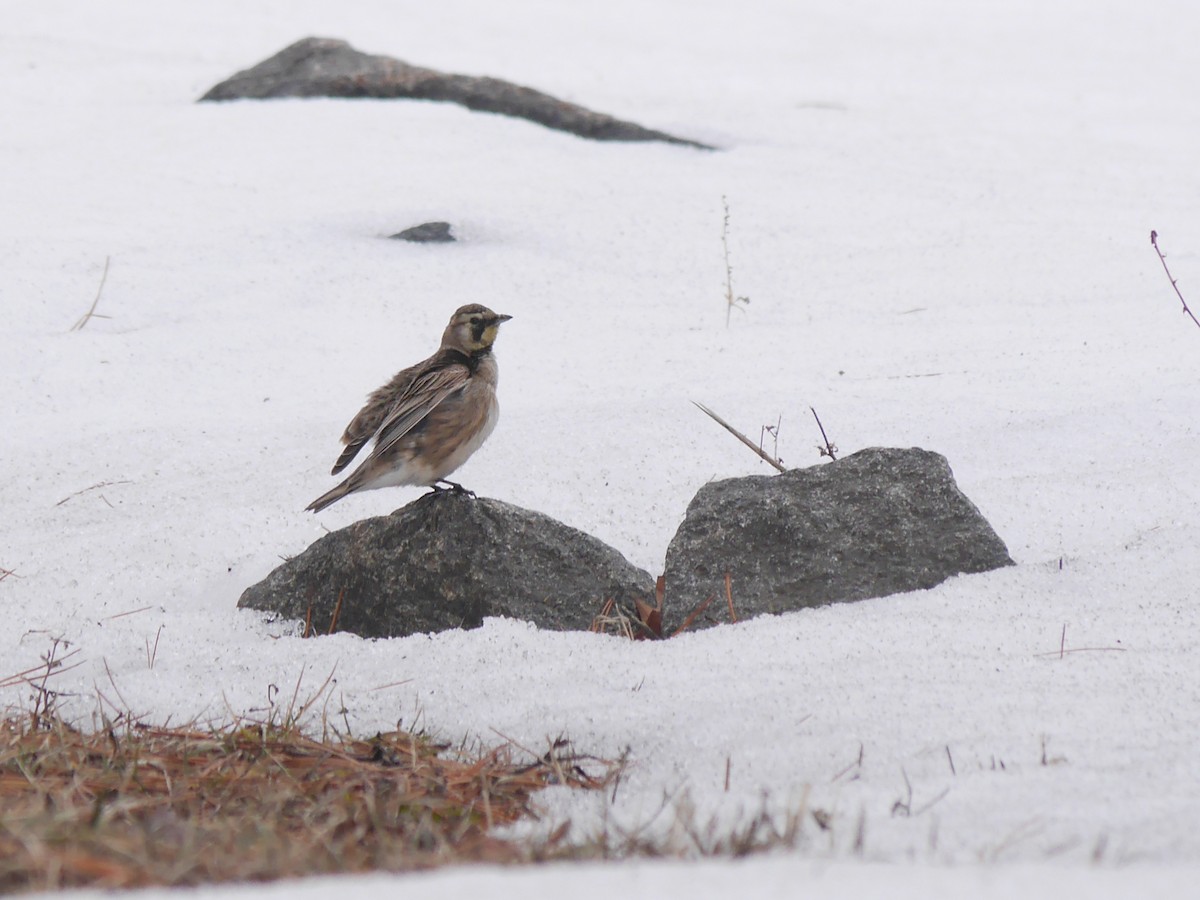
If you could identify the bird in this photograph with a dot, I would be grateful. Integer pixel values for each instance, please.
(430, 418)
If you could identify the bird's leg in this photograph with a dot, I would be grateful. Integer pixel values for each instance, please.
(453, 486)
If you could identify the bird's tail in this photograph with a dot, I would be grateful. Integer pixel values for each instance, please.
(330, 497)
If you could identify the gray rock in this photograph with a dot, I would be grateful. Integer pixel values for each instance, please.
(877, 522)
(447, 560)
(325, 67)
(426, 233)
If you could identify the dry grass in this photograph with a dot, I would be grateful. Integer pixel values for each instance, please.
(645, 622)
(690, 837)
(132, 805)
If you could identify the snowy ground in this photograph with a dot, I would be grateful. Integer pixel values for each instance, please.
(940, 212)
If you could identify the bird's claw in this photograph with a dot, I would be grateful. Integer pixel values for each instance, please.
(452, 486)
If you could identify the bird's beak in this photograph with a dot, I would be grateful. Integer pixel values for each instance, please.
(500, 317)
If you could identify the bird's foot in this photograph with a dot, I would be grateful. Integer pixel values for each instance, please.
(452, 486)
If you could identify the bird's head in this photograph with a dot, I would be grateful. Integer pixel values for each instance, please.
(472, 329)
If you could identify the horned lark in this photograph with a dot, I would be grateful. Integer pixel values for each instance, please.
(429, 418)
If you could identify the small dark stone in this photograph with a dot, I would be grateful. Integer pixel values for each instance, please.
(877, 522)
(447, 560)
(325, 67)
(426, 233)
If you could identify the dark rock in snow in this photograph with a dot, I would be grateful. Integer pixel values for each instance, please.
(447, 560)
(325, 67)
(426, 233)
(877, 522)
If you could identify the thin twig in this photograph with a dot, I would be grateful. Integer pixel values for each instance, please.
(857, 764)
(829, 449)
(773, 431)
(731, 302)
(128, 612)
(44, 668)
(741, 437)
(390, 684)
(98, 484)
(1162, 259)
(729, 596)
(91, 313)
(45, 699)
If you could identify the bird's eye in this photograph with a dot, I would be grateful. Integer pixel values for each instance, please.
(474, 320)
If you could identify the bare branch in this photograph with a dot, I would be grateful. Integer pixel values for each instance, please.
(829, 449)
(1162, 259)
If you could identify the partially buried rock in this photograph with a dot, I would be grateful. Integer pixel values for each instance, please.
(448, 560)
(878, 522)
(426, 233)
(326, 67)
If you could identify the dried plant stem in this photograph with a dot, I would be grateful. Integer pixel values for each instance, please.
(1162, 259)
(1063, 649)
(732, 302)
(128, 612)
(773, 431)
(741, 437)
(337, 611)
(152, 652)
(91, 313)
(1061, 653)
(694, 615)
(51, 665)
(829, 449)
(96, 486)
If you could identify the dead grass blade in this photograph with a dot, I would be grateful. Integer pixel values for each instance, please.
(91, 313)
(694, 615)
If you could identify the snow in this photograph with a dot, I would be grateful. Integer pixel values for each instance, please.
(941, 215)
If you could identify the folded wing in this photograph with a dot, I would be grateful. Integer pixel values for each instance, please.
(365, 425)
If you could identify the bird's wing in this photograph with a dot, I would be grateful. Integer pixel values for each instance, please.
(358, 432)
(421, 398)
(365, 425)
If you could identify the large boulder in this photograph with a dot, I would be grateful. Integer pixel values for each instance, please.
(326, 67)
(877, 522)
(445, 561)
